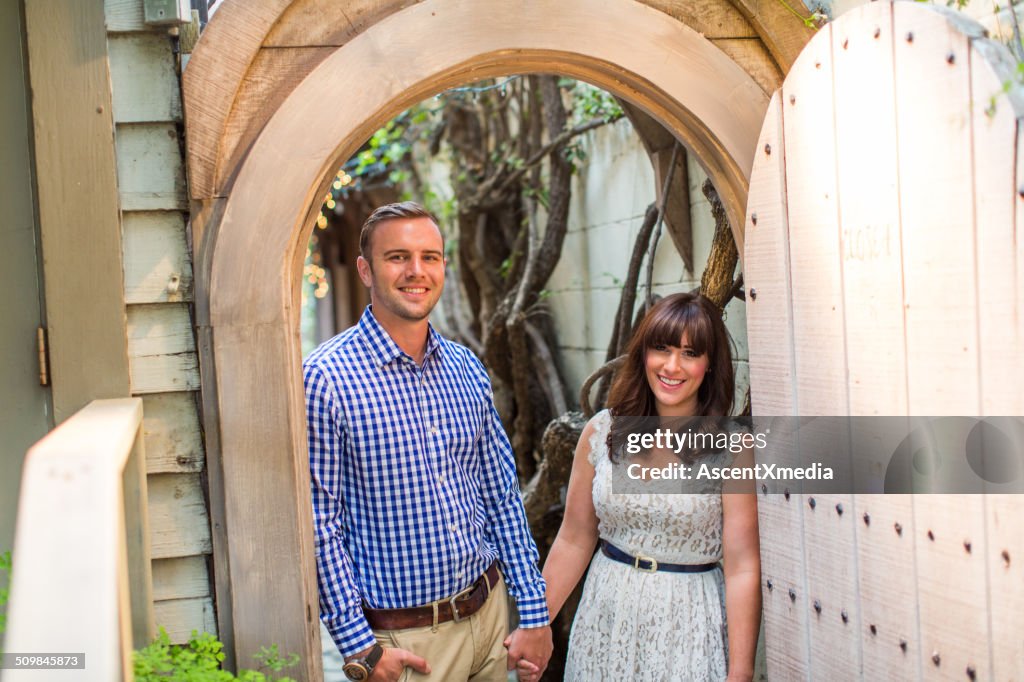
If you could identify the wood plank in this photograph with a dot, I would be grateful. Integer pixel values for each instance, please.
(271, 553)
(308, 23)
(712, 19)
(174, 442)
(209, 84)
(181, 616)
(753, 56)
(937, 216)
(137, 552)
(766, 274)
(1005, 513)
(816, 270)
(178, 522)
(161, 345)
(783, 33)
(271, 77)
(180, 578)
(820, 345)
(950, 541)
(69, 583)
(869, 212)
(774, 393)
(933, 85)
(124, 15)
(994, 132)
(832, 586)
(1005, 559)
(149, 167)
(144, 79)
(1019, 227)
(677, 207)
(872, 282)
(204, 221)
(888, 587)
(77, 198)
(157, 263)
(784, 588)
(218, 489)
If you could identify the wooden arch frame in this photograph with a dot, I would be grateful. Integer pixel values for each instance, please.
(251, 239)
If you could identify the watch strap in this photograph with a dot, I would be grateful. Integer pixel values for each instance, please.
(373, 658)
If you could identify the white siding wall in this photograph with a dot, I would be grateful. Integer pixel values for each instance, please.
(158, 291)
(611, 191)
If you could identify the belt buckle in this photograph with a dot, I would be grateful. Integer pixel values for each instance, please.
(458, 595)
(653, 567)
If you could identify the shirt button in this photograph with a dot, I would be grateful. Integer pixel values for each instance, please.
(459, 574)
(433, 430)
(453, 529)
(440, 479)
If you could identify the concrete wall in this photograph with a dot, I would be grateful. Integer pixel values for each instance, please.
(612, 189)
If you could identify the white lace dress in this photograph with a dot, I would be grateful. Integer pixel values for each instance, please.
(636, 625)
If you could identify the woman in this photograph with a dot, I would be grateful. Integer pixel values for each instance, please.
(638, 621)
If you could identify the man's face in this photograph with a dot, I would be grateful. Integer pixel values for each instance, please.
(405, 272)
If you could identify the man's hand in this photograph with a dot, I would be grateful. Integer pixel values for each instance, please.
(529, 650)
(393, 663)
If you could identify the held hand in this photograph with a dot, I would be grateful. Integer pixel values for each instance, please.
(529, 650)
(527, 672)
(394, 662)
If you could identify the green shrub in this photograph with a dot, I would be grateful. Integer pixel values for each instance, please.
(200, 661)
(5, 578)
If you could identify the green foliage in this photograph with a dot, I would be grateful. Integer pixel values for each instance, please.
(200, 661)
(590, 102)
(505, 268)
(1015, 81)
(5, 571)
(814, 21)
(385, 148)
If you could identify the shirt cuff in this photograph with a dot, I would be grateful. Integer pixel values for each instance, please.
(351, 638)
(533, 611)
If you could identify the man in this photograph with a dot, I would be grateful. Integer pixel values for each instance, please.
(415, 496)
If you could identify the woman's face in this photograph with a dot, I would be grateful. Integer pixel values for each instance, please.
(674, 374)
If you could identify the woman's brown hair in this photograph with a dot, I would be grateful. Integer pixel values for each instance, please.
(663, 325)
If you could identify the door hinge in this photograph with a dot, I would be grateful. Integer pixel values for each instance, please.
(44, 357)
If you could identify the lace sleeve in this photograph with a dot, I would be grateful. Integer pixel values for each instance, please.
(599, 438)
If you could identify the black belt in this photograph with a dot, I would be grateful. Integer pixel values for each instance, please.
(651, 565)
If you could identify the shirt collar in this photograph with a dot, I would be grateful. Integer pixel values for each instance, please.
(384, 347)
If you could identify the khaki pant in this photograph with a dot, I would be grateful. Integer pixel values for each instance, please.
(471, 649)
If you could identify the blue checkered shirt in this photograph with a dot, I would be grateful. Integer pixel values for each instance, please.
(413, 481)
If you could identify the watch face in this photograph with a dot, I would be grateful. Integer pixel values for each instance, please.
(356, 671)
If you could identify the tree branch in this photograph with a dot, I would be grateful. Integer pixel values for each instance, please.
(547, 370)
(499, 182)
(717, 283)
(648, 300)
(606, 370)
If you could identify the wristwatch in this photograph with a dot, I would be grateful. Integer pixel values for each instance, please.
(359, 669)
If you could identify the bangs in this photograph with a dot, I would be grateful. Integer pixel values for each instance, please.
(669, 323)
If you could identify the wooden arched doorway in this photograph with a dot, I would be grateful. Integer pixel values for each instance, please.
(262, 146)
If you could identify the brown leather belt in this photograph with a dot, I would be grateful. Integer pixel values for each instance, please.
(457, 607)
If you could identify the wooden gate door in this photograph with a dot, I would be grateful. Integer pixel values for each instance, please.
(884, 267)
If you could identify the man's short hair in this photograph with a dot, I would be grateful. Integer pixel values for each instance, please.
(402, 209)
